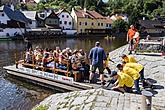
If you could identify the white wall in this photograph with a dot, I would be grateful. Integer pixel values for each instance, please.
(4, 19)
(63, 19)
(33, 25)
(70, 32)
(11, 31)
(73, 14)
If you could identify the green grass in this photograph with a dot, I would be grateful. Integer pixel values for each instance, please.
(42, 107)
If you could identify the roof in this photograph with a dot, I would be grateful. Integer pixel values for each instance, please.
(30, 14)
(15, 15)
(90, 14)
(1, 8)
(150, 23)
(45, 13)
(108, 20)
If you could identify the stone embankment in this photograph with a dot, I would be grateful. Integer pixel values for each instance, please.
(101, 99)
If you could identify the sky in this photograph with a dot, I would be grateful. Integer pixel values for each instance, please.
(105, 1)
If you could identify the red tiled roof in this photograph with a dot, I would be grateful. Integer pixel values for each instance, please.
(108, 20)
(90, 14)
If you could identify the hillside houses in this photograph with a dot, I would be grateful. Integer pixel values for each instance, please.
(86, 21)
(12, 22)
(152, 27)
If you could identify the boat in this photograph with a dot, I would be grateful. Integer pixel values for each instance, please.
(50, 78)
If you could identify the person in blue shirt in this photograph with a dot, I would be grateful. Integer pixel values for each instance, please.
(97, 57)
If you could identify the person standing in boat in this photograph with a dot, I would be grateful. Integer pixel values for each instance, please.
(97, 57)
(130, 35)
(28, 44)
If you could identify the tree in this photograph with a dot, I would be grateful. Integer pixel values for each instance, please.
(119, 26)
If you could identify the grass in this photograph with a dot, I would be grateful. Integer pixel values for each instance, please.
(42, 107)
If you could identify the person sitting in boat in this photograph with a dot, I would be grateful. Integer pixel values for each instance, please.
(39, 57)
(56, 52)
(77, 64)
(83, 60)
(45, 60)
(28, 56)
(62, 57)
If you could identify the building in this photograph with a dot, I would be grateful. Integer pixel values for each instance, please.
(12, 22)
(119, 16)
(152, 27)
(66, 20)
(86, 22)
(32, 16)
(47, 19)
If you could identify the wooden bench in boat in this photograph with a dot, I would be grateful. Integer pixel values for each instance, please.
(77, 75)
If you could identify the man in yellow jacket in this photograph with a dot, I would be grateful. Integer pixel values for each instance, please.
(128, 58)
(124, 82)
(131, 72)
(138, 67)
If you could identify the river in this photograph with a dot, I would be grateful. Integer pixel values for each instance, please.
(19, 95)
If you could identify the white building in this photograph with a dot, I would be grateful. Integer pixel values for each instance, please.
(119, 16)
(12, 22)
(66, 20)
(32, 16)
(3, 17)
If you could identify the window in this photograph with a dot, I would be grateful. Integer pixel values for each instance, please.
(67, 16)
(92, 24)
(79, 23)
(65, 22)
(60, 22)
(106, 25)
(101, 24)
(109, 25)
(3, 14)
(98, 24)
(86, 23)
(62, 16)
(86, 16)
(50, 21)
(70, 23)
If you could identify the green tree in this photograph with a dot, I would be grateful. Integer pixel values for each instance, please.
(119, 26)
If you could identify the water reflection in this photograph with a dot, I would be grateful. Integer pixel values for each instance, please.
(15, 94)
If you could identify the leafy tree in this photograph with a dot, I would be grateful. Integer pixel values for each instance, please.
(119, 26)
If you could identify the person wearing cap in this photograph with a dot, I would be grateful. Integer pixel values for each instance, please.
(138, 67)
(128, 59)
(130, 34)
(131, 72)
(97, 56)
(124, 82)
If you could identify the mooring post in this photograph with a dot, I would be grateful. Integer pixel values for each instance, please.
(16, 59)
(146, 100)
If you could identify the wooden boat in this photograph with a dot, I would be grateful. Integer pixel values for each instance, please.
(52, 79)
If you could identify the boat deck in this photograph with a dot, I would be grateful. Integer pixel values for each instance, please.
(52, 79)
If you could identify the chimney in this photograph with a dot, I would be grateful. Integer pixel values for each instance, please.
(144, 18)
(85, 10)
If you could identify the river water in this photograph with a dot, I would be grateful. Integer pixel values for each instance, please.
(19, 95)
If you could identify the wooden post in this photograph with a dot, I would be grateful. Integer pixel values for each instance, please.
(24, 56)
(33, 61)
(16, 58)
(146, 100)
(67, 68)
(54, 64)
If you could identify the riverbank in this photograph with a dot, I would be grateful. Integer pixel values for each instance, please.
(105, 99)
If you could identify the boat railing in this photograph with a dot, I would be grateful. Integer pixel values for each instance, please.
(67, 72)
